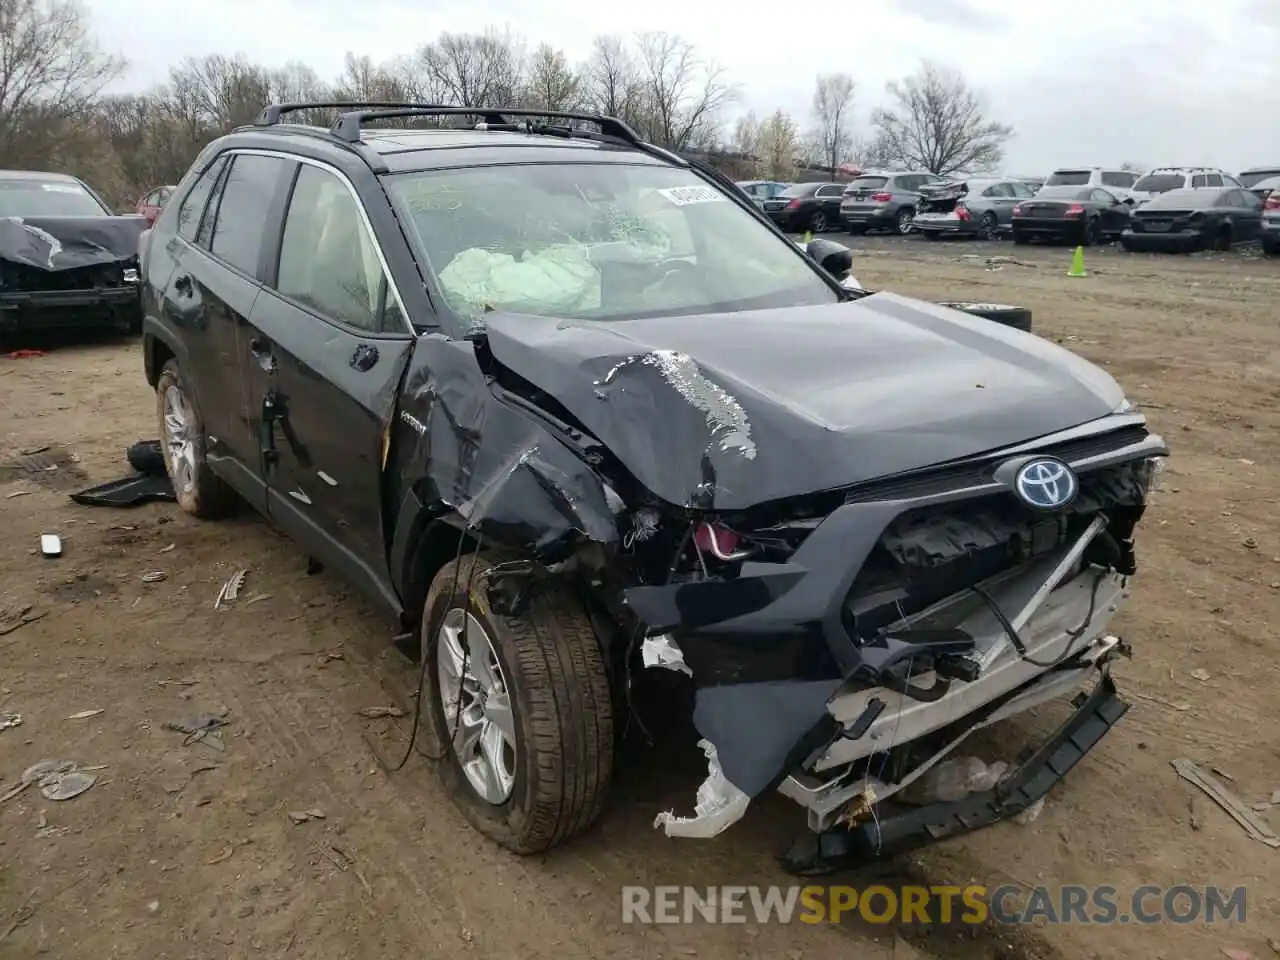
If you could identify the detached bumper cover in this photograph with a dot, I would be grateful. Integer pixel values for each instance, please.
(888, 835)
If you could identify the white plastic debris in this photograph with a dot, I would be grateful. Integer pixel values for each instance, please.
(1029, 815)
(661, 651)
(954, 780)
(719, 805)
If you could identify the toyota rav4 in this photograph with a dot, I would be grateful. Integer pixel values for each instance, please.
(570, 407)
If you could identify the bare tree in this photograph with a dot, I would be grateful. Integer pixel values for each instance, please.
(552, 84)
(937, 123)
(832, 102)
(610, 82)
(746, 135)
(51, 72)
(779, 139)
(223, 91)
(682, 92)
(363, 79)
(476, 69)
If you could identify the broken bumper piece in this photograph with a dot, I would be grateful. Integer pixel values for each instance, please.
(720, 804)
(887, 835)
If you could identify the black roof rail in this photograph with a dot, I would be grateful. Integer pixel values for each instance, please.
(273, 113)
(348, 126)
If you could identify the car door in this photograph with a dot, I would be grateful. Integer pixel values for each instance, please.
(828, 197)
(235, 233)
(1005, 199)
(1248, 215)
(1113, 213)
(331, 324)
(206, 298)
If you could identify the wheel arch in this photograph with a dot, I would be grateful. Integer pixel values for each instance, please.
(159, 346)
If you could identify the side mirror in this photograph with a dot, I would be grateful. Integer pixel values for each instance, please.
(833, 257)
(1128, 200)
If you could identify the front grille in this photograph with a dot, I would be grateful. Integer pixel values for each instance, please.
(931, 553)
(973, 474)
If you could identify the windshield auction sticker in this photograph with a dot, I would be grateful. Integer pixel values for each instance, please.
(683, 196)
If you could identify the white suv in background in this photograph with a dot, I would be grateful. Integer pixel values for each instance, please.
(1112, 179)
(1163, 179)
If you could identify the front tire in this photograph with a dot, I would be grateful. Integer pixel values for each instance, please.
(535, 708)
(184, 445)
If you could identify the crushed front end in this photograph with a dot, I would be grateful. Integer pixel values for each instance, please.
(844, 646)
(58, 272)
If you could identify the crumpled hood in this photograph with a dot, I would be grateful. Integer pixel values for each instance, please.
(725, 411)
(68, 243)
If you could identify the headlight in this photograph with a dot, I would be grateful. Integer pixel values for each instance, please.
(130, 275)
(1126, 406)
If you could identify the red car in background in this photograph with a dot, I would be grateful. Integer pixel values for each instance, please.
(152, 203)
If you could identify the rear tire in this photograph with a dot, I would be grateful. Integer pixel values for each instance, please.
(1223, 240)
(1021, 239)
(1017, 317)
(818, 222)
(857, 230)
(1271, 249)
(1091, 233)
(905, 216)
(988, 226)
(551, 669)
(184, 444)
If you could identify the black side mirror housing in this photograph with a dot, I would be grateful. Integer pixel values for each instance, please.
(833, 257)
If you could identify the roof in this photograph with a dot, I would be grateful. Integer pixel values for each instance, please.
(36, 175)
(402, 151)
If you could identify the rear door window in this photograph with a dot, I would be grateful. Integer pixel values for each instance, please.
(192, 207)
(243, 208)
(1213, 180)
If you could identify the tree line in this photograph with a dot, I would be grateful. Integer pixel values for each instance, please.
(55, 115)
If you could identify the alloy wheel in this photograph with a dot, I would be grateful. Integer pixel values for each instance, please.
(477, 706)
(178, 439)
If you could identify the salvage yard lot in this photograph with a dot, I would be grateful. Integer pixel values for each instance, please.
(182, 851)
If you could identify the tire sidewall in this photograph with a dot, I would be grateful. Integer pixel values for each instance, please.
(905, 216)
(508, 819)
(989, 226)
(818, 223)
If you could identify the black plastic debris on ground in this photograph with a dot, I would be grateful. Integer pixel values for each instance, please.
(150, 482)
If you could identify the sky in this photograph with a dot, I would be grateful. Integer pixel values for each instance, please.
(1085, 82)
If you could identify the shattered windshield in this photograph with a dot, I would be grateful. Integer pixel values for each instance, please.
(603, 241)
(47, 198)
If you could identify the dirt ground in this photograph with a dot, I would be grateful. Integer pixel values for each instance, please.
(183, 851)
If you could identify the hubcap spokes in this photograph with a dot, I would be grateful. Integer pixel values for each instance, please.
(179, 443)
(477, 706)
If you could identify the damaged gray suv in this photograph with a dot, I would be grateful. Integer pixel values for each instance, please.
(569, 407)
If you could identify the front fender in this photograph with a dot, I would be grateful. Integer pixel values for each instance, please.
(484, 463)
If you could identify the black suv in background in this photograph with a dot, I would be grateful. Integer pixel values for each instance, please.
(556, 398)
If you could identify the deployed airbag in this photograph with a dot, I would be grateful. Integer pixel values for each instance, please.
(559, 278)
